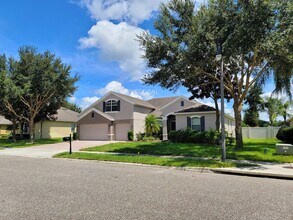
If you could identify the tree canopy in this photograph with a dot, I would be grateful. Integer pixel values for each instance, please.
(257, 44)
(39, 82)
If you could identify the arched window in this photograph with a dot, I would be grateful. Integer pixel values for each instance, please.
(195, 123)
(111, 105)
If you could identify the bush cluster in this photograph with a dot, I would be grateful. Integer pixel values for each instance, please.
(206, 137)
(130, 135)
(288, 135)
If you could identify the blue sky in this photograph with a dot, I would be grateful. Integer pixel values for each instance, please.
(96, 37)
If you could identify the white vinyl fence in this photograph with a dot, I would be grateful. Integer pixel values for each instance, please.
(259, 132)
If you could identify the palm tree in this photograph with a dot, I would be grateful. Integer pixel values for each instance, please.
(284, 110)
(152, 125)
(273, 107)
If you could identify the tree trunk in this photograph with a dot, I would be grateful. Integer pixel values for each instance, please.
(32, 130)
(21, 130)
(14, 130)
(217, 115)
(238, 128)
(41, 136)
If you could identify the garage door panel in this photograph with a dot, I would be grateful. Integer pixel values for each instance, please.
(121, 131)
(93, 132)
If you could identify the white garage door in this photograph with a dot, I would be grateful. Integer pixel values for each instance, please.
(93, 132)
(121, 131)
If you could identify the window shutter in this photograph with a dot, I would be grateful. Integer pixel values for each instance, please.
(202, 123)
(188, 122)
(104, 106)
(118, 105)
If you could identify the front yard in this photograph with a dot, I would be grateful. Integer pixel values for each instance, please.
(4, 143)
(182, 155)
(253, 150)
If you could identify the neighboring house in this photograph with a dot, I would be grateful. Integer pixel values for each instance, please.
(111, 117)
(64, 124)
(4, 123)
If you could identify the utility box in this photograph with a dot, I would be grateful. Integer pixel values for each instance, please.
(284, 149)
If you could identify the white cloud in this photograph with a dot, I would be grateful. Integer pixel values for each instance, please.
(83, 102)
(116, 86)
(117, 42)
(72, 99)
(134, 11)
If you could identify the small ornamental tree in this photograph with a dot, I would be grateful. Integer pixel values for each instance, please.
(152, 125)
(40, 82)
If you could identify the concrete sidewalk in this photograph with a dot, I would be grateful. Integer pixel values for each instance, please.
(263, 169)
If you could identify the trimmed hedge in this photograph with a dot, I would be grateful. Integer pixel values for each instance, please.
(280, 134)
(288, 135)
(189, 136)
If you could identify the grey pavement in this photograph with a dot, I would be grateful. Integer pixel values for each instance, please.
(32, 188)
(48, 150)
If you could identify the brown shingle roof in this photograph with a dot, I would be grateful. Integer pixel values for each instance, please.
(66, 115)
(161, 102)
(198, 108)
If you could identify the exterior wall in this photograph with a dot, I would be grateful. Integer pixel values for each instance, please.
(53, 129)
(126, 108)
(3, 130)
(139, 116)
(259, 132)
(210, 121)
(176, 106)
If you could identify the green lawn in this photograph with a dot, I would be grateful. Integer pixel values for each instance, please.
(151, 160)
(4, 143)
(253, 150)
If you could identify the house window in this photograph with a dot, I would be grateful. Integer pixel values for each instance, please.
(93, 114)
(111, 105)
(182, 103)
(195, 124)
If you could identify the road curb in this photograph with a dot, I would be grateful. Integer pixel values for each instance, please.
(252, 173)
(194, 169)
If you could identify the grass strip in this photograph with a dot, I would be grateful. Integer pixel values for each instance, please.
(151, 160)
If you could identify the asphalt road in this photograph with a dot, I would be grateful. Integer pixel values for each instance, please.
(32, 188)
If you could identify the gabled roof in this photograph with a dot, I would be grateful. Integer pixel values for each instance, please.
(160, 103)
(66, 115)
(134, 101)
(83, 114)
(4, 121)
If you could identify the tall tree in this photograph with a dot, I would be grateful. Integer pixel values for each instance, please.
(273, 107)
(253, 34)
(40, 81)
(254, 102)
(10, 97)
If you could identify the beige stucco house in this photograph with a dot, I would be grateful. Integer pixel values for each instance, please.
(4, 123)
(111, 117)
(64, 124)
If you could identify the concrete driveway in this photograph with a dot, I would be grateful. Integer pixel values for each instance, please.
(48, 150)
